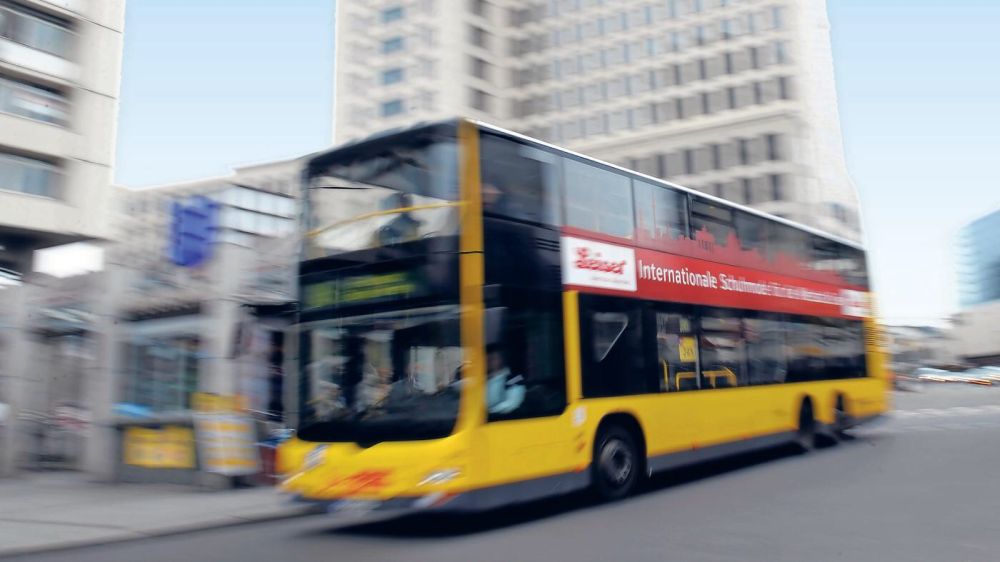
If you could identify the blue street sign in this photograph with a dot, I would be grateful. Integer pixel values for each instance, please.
(192, 231)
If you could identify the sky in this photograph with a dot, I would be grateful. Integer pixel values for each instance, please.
(207, 86)
(919, 97)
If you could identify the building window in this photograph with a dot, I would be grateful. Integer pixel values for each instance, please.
(618, 121)
(32, 101)
(776, 20)
(479, 99)
(481, 69)
(777, 183)
(780, 52)
(727, 29)
(29, 175)
(689, 165)
(743, 149)
(392, 107)
(480, 8)
(773, 146)
(716, 156)
(392, 14)
(162, 374)
(747, 186)
(479, 37)
(784, 91)
(392, 76)
(392, 45)
(35, 30)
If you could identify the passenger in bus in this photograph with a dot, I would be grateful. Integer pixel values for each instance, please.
(494, 199)
(403, 227)
(504, 391)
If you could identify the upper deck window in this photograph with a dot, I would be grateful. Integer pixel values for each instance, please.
(598, 199)
(519, 181)
(384, 192)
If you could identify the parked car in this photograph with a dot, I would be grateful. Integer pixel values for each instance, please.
(986, 376)
(928, 374)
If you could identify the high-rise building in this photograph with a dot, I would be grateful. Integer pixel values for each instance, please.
(735, 98)
(977, 325)
(60, 63)
(979, 261)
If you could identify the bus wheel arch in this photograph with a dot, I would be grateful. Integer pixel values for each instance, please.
(618, 441)
(841, 417)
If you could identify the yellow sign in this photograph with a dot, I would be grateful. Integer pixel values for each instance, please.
(358, 289)
(226, 437)
(169, 447)
(207, 402)
(688, 349)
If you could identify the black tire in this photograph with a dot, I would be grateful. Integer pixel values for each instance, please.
(805, 437)
(616, 466)
(841, 421)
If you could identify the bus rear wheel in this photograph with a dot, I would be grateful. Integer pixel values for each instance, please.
(805, 437)
(616, 464)
(841, 420)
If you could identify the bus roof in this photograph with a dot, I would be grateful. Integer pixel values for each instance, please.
(321, 157)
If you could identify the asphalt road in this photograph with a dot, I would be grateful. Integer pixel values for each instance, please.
(921, 485)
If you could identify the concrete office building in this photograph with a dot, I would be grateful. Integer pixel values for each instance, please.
(146, 332)
(60, 63)
(735, 98)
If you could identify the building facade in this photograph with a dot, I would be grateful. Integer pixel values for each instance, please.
(977, 325)
(979, 261)
(134, 342)
(732, 97)
(60, 63)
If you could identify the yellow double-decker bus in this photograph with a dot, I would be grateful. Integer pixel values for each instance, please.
(487, 319)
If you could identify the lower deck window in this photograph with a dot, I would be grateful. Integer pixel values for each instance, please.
(633, 347)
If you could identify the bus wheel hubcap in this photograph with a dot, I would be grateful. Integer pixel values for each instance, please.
(616, 462)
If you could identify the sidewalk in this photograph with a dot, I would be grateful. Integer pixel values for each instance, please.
(45, 511)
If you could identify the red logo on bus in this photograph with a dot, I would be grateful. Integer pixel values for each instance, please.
(363, 481)
(595, 263)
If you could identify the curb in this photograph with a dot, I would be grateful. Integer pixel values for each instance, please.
(131, 535)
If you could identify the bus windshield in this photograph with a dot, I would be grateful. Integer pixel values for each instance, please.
(383, 192)
(383, 377)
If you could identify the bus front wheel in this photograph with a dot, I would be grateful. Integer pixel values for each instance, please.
(616, 464)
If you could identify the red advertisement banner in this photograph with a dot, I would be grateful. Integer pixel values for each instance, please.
(667, 277)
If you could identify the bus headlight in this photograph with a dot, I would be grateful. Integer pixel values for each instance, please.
(440, 476)
(315, 457)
